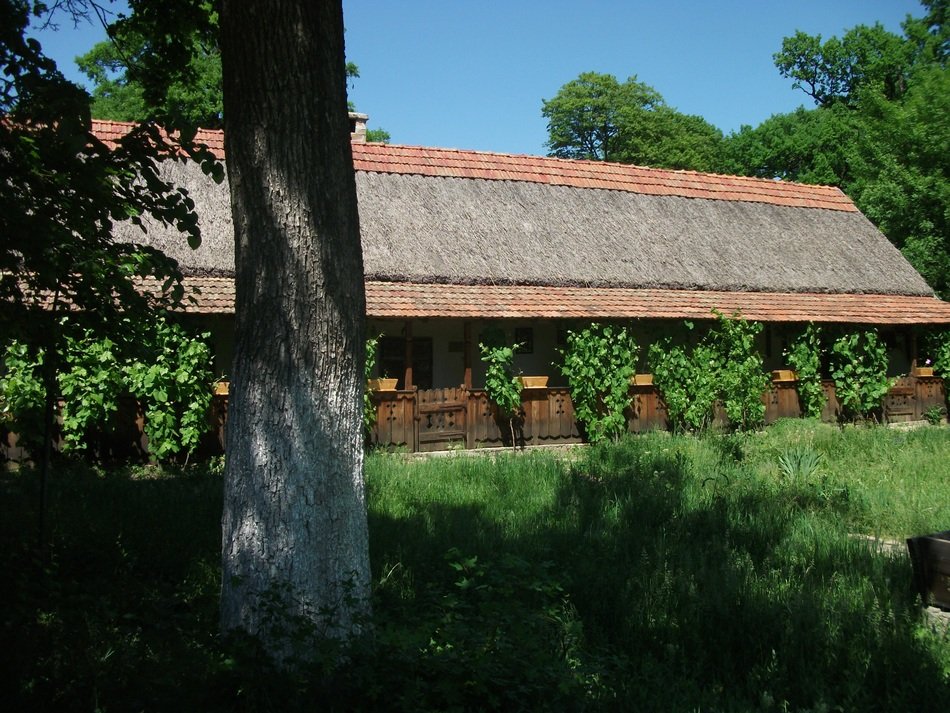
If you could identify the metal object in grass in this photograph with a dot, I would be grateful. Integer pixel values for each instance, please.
(930, 556)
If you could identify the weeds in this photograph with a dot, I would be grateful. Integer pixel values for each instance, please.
(659, 573)
(799, 463)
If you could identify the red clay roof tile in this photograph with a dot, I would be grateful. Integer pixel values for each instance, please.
(109, 132)
(413, 300)
(455, 163)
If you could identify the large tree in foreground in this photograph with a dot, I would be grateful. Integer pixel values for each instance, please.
(294, 525)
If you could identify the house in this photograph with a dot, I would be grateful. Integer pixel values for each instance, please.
(456, 241)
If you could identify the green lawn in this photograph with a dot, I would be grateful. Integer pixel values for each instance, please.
(661, 573)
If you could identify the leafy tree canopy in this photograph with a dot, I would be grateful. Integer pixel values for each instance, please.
(597, 117)
(807, 146)
(837, 69)
(64, 189)
(117, 68)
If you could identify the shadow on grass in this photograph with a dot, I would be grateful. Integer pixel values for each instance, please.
(695, 590)
(119, 611)
(653, 575)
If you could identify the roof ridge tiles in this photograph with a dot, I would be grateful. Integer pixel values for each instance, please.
(473, 164)
(609, 176)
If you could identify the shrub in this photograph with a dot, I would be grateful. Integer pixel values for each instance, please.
(501, 383)
(934, 415)
(725, 365)
(742, 380)
(598, 362)
(166, 370)
(687, 380)
(939, 347)
(804, 357)
(369, 408)
(172, 381)
(859, 368)
(21, 393)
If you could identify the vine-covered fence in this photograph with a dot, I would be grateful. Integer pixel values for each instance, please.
(441, 419)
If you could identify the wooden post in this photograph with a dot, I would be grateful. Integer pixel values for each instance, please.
(407, 360)
(467, 356)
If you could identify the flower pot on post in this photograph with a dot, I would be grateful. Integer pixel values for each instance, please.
(925, 372)
(382, 384)
(533, 382)
(783, 375)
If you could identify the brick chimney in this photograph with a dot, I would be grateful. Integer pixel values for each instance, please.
(358, 126)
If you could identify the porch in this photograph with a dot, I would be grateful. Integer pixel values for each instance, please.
(419, 420)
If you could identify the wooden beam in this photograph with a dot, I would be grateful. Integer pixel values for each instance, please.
(407, 361)
(467, 355)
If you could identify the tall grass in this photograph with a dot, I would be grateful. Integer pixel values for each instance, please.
(712, 580)
(660, 573)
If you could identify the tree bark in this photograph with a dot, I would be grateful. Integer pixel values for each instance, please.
(294, 534)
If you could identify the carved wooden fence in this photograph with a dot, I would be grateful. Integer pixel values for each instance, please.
(439, 419)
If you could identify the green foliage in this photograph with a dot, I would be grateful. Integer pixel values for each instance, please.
(623, 579)
(725, 365)
(859, 368)
(901, 178)
(90, 385)
(501, 383)
(168, 372)
(742, 380)
(687, 378)
(596, 117)
(808, 146)
(369, 408)
(804, 356)
(799, 463)
(193, 97)
(939, 348)
(173, 382)
(598, 362)
(864, 59)
(22, 394)
(378, 136)
(934, 415)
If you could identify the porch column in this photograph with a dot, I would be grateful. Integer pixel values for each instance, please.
(467, 355)
(407, 359)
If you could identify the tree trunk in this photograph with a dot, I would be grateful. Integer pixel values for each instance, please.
(294, 540)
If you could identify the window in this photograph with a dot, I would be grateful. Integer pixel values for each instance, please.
(392, 360)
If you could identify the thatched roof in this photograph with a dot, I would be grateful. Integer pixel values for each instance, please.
(511, 232)
(436, 216)
(444, 229)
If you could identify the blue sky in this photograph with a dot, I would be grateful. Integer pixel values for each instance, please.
(473, 74)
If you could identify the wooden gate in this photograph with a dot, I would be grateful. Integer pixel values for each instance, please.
(440, 419)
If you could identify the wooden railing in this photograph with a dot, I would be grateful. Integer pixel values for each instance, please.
(439, 419)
